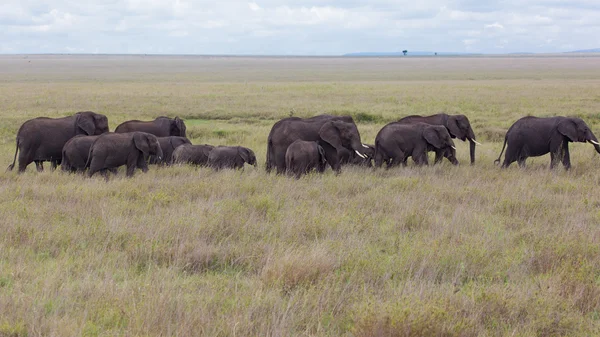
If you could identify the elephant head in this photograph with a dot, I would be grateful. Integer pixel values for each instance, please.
(576, 130)
(340, 135)
(459, 127)
(90, 123)
(147, 144)
(176, 141)
(247, 155)
(438, 137)
(177, 127)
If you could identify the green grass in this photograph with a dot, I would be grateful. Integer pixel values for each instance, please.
(432, 251)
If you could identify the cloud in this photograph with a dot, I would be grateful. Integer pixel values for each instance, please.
(285, 27)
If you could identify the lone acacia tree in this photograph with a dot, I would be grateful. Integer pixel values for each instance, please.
(404, 52)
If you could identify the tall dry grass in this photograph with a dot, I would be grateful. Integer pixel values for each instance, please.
(433, 251)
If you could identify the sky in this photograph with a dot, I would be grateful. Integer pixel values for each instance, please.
(286, 27)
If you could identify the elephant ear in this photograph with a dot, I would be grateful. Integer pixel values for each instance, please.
(432, 137)
(322, 158)
(180, 127)
(453, 128)
(85, 123)
(568, 129)
(330, 133)
(141, 142)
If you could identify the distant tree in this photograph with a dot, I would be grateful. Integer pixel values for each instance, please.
(435, 54)
(404, 52)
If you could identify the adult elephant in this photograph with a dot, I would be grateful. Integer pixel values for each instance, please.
(168, 145)
(302, 157)
(395, 142)
(192, 154)
(42, 139)
(333, 134)
(232, 157)
(160, 127)
(457, 125)
(535, 136)
(112, 150)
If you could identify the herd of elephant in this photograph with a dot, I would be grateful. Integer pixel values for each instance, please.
(295, 145)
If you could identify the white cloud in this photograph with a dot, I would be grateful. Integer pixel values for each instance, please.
(284, 27)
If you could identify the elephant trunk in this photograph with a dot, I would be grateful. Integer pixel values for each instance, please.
(472, 142)
(359, 148)
(594, 142)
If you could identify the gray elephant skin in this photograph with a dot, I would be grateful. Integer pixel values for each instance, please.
(351, 158)
(232, 157)
(112, 150)
(303, 156)
(168, 146)
(457, 125)
(160, 127)
(192, 154)
(75, 153)
(395, 142)
(535, 136)
(42, 139)
(333, 133)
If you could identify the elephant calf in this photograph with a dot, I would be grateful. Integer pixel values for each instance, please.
(395, 142)
(168, 146)
(303, 156)
(112, 150)
(192, 154)
(230, 157)
(351, 158)
(75, 153)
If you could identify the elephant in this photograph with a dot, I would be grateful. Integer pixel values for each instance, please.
(233, 157)
(457, 125)
(535, 136)
(351, 158)
(168, 145)
(192, 154)
(303, 156)
(75, 153)
(160, 127)
(42, 139)
(112, 150)
(395, 142)
(333, 133)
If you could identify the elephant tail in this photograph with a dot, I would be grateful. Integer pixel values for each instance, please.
(497, 161)
(12, 166)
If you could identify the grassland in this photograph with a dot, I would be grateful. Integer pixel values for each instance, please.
(433, 251)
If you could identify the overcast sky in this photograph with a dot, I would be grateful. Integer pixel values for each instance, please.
(312, 27)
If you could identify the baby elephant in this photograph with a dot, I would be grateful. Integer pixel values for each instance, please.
(75, 153)
(192, 154)
(395, 142)
(230, 157)
(168, 145)
(112, 150)
(303, 156)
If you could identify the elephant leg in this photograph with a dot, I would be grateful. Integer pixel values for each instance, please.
(521, 161)
(53, 164)
(420, 157)
(39, 165)
(566, 159)
(132, 162)
(105, 173)
(439, 155)
(280, 161)
(142, 164)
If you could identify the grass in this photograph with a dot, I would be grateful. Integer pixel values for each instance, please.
(433, 251)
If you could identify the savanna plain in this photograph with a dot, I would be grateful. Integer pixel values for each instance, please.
(179, 251)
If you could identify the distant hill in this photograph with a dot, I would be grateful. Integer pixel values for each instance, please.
(596, 50)
(410, 53)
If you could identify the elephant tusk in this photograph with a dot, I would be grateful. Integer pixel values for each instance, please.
(366, 147)
(594, 142)
(360, 155)
(476, 142)
(452, 147)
